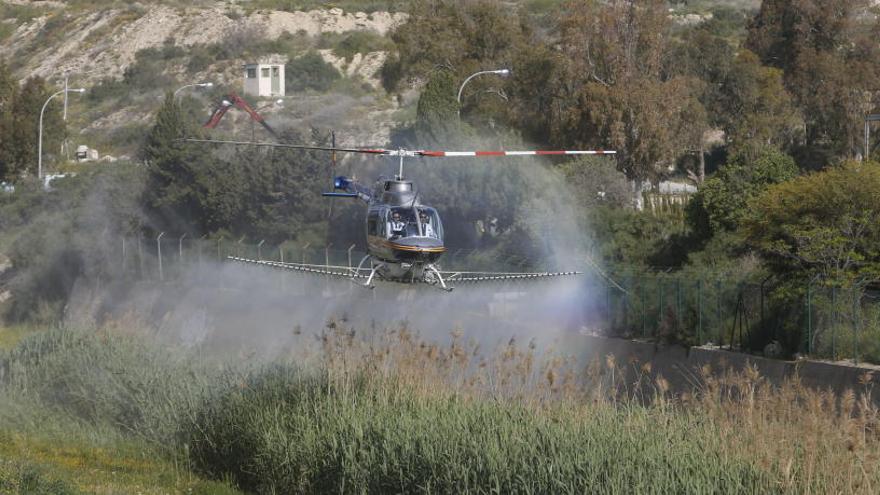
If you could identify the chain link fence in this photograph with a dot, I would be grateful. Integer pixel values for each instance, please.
(834, 323)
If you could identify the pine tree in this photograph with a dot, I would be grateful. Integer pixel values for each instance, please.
(8, 94)
(174, 167)
(19, 123)
(437, 111)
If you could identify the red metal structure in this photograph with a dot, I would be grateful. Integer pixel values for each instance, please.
(233, 99)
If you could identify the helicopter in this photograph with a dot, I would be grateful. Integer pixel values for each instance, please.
(404, 237)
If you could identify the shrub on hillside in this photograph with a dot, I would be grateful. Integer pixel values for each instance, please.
(355, 42)
(310, 71)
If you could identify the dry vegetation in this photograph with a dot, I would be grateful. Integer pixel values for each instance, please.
(392, 412)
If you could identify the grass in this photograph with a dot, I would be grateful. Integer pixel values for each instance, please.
(288, 431)
(10, 336)
(68, 464)
(391, 412)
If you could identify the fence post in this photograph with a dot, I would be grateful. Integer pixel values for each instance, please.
(240, 248)
(282, 276)
(718, 324)
(349, 256)
(834, 323)
(180, 248)
(304, 248)
(644, 308)
(659, 306)
(220, 248)
(199, 246)
(855, 320)
(260, 249)
(699, 312)
(810, 318)
(608, 310)
(159, 254)
(327, 254)
(678, 317)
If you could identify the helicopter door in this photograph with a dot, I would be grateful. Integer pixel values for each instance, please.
(373, 223)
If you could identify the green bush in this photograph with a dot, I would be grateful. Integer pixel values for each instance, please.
(107, 89)
(25, 479)
(286, 431)
(309, 71)
(148, 70)
(22, 13)
(347, 5)
(355, 42)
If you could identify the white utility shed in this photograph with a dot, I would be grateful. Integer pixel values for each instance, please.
(264, 79)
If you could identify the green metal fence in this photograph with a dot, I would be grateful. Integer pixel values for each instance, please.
(822, 322)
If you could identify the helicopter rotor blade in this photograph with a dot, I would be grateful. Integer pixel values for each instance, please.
(410, 153)
(453, 154)
(370, 151)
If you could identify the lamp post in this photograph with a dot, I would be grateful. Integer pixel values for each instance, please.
(194, 85)
(40, 133)
(871, 117)
(500, 72)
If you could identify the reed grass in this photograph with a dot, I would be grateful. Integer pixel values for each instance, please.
(391, 412)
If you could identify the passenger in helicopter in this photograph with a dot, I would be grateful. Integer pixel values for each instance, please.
(396, 227)
(426, 225)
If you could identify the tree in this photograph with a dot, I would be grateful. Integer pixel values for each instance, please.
(595, 181)
(757, 109)
(823, 224)
(827, 50)
(612, 90)
(8, 95)
(460, 35)
(437, 111)
(20, 116)
(722, 202)
(174, 193)
(706, 57)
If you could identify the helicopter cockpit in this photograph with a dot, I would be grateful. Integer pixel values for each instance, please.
(420, 221)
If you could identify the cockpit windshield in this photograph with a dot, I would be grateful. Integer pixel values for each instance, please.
(402, 222)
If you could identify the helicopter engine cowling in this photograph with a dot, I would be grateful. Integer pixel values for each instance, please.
(352, 188)
(341, 182)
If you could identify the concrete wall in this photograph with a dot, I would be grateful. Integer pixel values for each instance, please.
(680, 365)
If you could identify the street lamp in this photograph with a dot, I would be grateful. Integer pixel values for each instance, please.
(194, 85)
(40, 137)
(500, 72)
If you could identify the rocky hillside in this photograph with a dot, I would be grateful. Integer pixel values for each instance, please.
(97, 46)
(103, 43)
(129, 55)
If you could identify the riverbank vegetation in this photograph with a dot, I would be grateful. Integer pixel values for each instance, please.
(395, 412)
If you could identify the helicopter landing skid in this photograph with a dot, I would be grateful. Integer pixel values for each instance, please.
(373, 268)
(434, 277)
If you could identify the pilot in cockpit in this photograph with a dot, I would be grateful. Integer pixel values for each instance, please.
(426, 225)
(396, 227)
